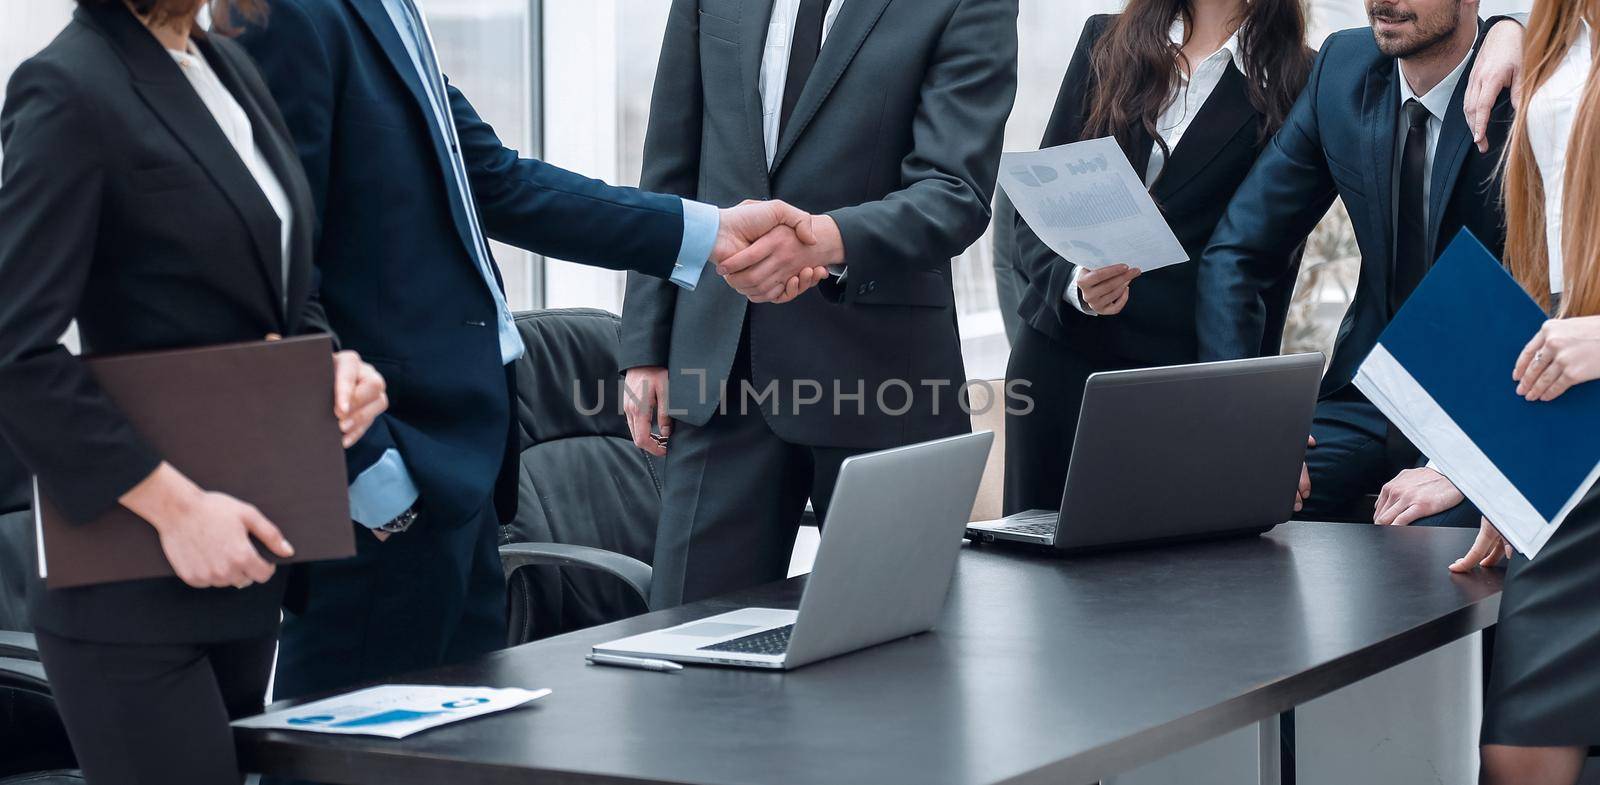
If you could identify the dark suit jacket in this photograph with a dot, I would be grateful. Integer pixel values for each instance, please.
(126, 208)
(897, 135)
(395, 247)
(1340, 140)
(1213, 157)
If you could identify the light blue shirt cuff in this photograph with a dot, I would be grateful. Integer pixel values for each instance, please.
(383, 491)
(701, 222)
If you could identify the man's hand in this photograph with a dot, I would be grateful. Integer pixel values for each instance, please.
(647, 401)
(1303, 493)
(1563, 353)
(359, 395)
(1489, 549)
(1105, 290)
(753, 221)
(1414, 494)
(1499, 65)
(784, 263)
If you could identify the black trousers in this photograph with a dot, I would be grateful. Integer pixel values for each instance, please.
(427, 597)
(156, 714)
(1039, 442)
(732, 500)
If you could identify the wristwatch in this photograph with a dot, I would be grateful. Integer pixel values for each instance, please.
(403, 521)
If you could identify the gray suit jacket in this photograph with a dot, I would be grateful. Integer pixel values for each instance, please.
(897, 136)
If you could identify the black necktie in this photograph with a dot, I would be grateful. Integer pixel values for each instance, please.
(803, 51)
(1411, 257)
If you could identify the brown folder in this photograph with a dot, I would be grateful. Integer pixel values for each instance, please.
(254, 421)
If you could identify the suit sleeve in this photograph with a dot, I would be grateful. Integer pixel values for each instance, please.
(1273, 211)
(548, 210)
(64, 428)
(1044, 269)
(947, 180)
(671, 165)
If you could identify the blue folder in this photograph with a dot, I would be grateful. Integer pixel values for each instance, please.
(1458, 337)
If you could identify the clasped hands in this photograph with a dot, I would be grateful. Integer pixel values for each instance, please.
(772, 252)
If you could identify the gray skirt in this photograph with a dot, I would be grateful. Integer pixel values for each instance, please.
(1544, 687)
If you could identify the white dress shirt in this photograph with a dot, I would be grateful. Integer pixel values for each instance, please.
(1551, 112)
(775, 75)
(1193, 90)
(236, 126)
(775, 64)
(1437, 102)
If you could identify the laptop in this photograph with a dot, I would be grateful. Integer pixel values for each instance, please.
(1178, 453)
(881, 573)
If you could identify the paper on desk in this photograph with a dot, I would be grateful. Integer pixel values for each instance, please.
(392, 711)
(1085, 202)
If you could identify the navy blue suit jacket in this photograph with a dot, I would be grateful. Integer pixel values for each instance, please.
(394, 245)
(1339, 140)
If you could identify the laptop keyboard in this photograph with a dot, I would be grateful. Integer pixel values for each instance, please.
(774, 641)
(1042, 529)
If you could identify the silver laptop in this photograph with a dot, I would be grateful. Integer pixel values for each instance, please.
(888, 552)
(1178, 453)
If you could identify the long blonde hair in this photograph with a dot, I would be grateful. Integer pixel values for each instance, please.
(1552, 28)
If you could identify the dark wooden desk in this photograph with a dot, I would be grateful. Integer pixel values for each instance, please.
(1043, 670)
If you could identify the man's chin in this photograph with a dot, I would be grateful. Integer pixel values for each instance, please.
(1394, 44)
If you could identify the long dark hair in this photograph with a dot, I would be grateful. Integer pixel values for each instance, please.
(1134, 75)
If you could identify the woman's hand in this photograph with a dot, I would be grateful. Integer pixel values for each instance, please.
(206, 536)
(1498, 66)
(1564, 353)
(1489, 550)
(359, 395)
(1105, 290)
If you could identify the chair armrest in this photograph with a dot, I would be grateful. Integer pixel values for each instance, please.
(19, 646)
(23, 674)
(629, 570)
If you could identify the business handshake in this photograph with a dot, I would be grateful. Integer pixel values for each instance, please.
(772, 252)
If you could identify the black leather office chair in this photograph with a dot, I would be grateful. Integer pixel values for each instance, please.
(577, 554)
(36, 745)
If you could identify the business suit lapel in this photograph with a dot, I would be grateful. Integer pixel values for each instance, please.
(278, 152)
(1213, 127)
(161, 83)
(850, 28)
(1454, 141)
(1138, 147)
(1380, 111)
(755, 16)
(376, 18)
(377, 21)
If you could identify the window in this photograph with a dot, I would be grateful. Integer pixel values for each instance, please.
(489, 49)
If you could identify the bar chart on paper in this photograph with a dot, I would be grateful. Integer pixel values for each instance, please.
(1085, 202)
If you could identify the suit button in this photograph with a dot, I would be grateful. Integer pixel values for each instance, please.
(872, 286)
(862, 289)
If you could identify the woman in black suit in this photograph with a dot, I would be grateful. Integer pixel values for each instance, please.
(150, 192)
(1191, 90)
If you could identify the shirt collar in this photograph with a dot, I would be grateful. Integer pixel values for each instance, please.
(1232, 46)
(1437, 100)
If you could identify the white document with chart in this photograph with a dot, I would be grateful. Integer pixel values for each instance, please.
(1085, 202)
(392, 711)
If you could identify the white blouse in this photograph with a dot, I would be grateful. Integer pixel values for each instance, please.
(1551, 112)
(236, 126)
